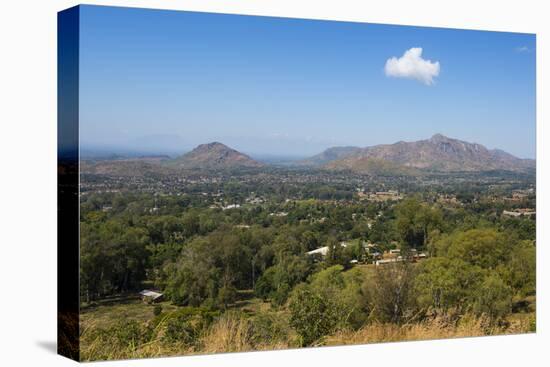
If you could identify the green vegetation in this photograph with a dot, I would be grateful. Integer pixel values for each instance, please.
(230, 255)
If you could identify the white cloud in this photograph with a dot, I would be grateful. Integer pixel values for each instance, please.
(412, 66)
(523, 49)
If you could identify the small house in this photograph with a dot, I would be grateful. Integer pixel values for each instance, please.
(151, 296)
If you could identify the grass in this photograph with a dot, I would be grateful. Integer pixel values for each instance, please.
(230, 333)
(249, 304)
(104, 313)
(237, 330)
(439, 327)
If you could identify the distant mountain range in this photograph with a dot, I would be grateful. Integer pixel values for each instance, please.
(215, 156)
(438, 153)
(329, 155)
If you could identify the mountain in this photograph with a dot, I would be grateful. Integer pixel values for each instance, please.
(372, 166)
(329, 155)
(215, 156)
(438, 153)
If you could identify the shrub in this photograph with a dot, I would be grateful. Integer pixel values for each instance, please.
(180, 329)
(157, 310)
(125, 334)
(344, 291)
(494, 298)
(268, 328)
(186, 325)
(312, 316)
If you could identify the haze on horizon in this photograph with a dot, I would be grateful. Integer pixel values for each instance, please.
(165, 82)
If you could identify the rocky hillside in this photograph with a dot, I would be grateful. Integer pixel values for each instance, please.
(439, 153)
(215, 156)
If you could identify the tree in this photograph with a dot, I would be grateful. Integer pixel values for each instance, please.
(345, 292)
(443, 283)
(414, 222)
(355, 250)
(520, 271)
(208, 265)
(194, 279)
(227, 294)
(310, 240)
(486, 248)
(390, 292)
(113, 257)
(336, 254)
(277, 282)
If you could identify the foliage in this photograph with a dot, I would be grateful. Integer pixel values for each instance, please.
(486, 248)
(390, 294)
(312, 316)
(345, 292)
(493, 298)
(443, 283)
(479, 278)
(113, 257)
(277, 282)
(519, 272)
(414, 221)
(157, 310)
(269, 328)
(208, 271)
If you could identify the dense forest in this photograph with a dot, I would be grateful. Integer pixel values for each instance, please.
(231, 258)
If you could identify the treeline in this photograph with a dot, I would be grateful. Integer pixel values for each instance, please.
(128, 243)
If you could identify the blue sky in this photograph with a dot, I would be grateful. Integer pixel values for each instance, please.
(167, 81)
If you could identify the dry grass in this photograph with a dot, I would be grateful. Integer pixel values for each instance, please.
(440, 327)
(235, 331)
(231, 333)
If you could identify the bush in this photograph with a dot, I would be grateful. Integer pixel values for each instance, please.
(157, 310)
(494, 298)
(344, 291)
(126, 334)
(181, 329)
(312, 316)
(268, 328)
(186, 325)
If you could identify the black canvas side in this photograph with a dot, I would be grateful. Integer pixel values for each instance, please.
(67, 184)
